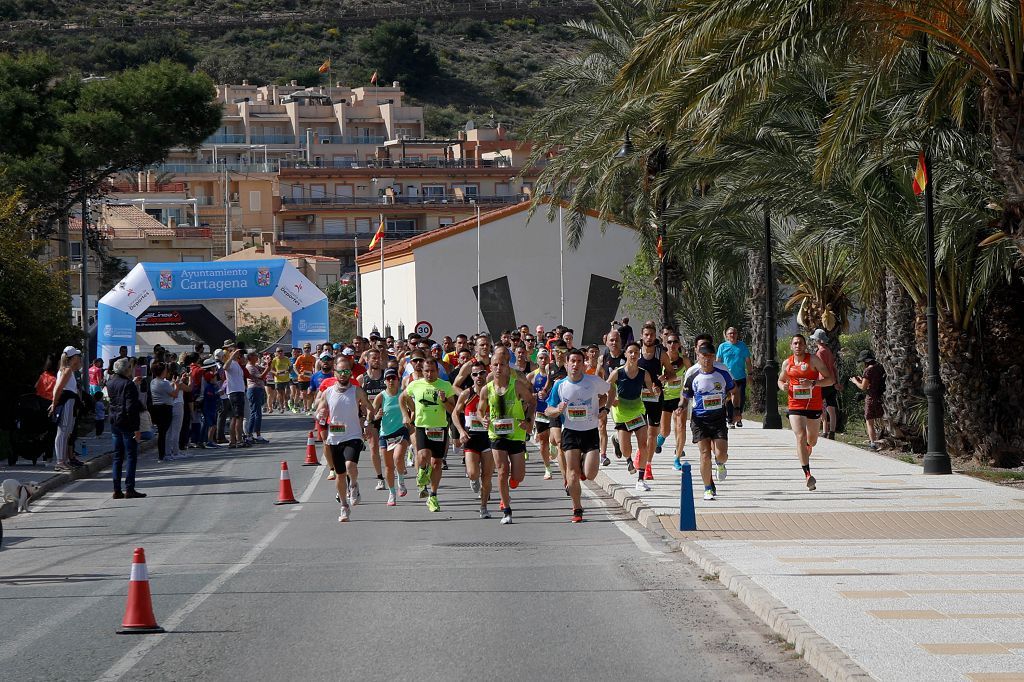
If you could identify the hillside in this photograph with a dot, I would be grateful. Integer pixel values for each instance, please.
(484, 50)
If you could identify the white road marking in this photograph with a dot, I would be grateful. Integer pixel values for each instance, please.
(132, 658)
(638, 539)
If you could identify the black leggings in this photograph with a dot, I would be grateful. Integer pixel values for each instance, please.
(161, 415)
(741, 387)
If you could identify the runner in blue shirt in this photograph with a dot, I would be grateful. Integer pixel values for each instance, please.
(708, 388)
(736, 356)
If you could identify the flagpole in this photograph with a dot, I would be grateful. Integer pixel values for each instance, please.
(479, 293)
(936, 459)
(382, 325)
(359, 318)
(561, 270)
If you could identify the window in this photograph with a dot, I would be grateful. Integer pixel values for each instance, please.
(433, 191)
(403, 132)
(317, 193)
(76, 251)
(470, 191)
(401, 225)
(335, 225)
(362, 225)
(496, 305)
(254, 201)
(343, 191)
(445, 220)
(602, 308)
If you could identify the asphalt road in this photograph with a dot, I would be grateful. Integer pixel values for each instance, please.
(249, 590)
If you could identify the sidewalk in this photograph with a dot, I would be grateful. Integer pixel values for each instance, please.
(882, 570)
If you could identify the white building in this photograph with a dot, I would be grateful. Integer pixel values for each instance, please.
(432, 277)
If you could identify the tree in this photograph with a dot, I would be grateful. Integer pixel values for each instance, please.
(341, 304)
(63, 137)
(259, 331)
(395, 52)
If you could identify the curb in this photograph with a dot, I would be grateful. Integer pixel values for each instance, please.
(56, 481)
(822, 655)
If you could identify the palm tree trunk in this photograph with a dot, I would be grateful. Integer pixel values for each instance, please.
(758, 333)
(896, 348)
(1003, 110)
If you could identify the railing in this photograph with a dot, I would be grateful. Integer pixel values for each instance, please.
(107, 232)
(133, 188)
(226, 138)
(352, 139)
(469, 199)
(307, 235)
(407, 163)
(189, 168)
(274, 139)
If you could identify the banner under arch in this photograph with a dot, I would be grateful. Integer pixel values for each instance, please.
(151, 283)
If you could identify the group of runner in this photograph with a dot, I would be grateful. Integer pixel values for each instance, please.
(415, 403)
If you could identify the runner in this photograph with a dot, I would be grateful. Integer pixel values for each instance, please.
(482, 350)
(294, 397)
(506, 406)
(429, 400)
(802, 377)
(655, 361)
(579, 398)
(672, 417)
(610, 361)
(629, 411)
(735, 355)
(707, 387)
(593, 361)
(472, 434)
(539, 380)
(304, 366)
(556, 372)
(281, 367)
(394, 441)
(372, 383)
(340, 405)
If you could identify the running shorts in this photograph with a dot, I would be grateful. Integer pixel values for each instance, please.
(709, 426)
(303, 385)
(478, 442)
(237, 404)
(512, 447)
(584, 441)
(282, 385)
(542, 426)
(653, 412)
(437, 448)
(810, 414)
(347, 451)
(669, 405)
(830, 396)
(397, 437)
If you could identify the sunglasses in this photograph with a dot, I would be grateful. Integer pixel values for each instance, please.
(672, 342)
(390, 378)
(417, 360)
(479, 374)
(342, 371)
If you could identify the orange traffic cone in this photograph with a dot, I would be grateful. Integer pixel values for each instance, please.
(311, 460)
(138, 612)
(648, 474)
(285, 494)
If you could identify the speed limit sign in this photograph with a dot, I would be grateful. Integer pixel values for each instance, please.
(424, 329)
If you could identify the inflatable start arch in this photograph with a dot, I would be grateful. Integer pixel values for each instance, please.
(151, 283)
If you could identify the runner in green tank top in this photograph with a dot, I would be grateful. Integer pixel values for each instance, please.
(507, 407)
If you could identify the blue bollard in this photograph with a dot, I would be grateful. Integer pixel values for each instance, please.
(85, 451)
(687, 514)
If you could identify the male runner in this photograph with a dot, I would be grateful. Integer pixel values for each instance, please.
(472, 434)
(372, 382)
(429, 400)
(578, 398)
(708, 388)
(281, 367)
(653, 359)
(304, 366)
(610, 361)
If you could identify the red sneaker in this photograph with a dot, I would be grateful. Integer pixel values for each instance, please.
(648, 474)
(577, 516)
(513, 483)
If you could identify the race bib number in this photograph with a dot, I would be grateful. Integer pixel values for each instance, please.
(542, 419)
(435, 434)
(649, 396)
(578, 413)
(503, 427)
(674, 383)
(337, 429)
(713, 401)
(803, 392)
(635, 423)
(476, 424)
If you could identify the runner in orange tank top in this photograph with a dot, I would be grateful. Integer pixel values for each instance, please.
(802, 377)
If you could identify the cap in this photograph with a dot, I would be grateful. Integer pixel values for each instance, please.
(348, 351)
(865, 355)
(219, 354)
(336, 346)
(229, 343)
(209, 362)
(71, 351)
(819, 335)
(390, 372)
(327, 356)
(436, 346)
(706, 348)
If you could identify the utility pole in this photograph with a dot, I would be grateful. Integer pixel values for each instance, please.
(83, 288)
(227, 213)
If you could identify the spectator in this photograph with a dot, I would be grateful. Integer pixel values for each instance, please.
(625, 332)
(161, 395)
(873, 384)
(210, 400)
(234, 372)
(125, 413)
(63, 404)
(256, 393)
(829, 394)
(96, 377)
(735, 355)
(179, 376)
(47, 379)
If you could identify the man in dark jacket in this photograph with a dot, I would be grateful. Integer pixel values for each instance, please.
(125, 408)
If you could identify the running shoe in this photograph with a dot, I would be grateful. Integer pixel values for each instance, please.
(392, 500)
(332, 475)
(380, 484)
(660, 441)
(62, 468)
(423, 477)
(513, 483)
(432, 504)
(423, 491)
(577, 516)
(261, 440)
(402, 490)
(484, 514)
(605, 462)
(343, 514)
(722, 473)
(629, 466)
(648, 474)
(812, 483)
(408, 459)
(677, 465)
(739, 423)
(474, 484)
(506, 519)
(444, 464)
(618, 450)
(210, 445)
(709, 495)
(641, 486)
(732, 425)
(547, 473)
(354, 495)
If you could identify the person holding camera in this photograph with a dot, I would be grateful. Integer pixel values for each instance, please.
(872, 382)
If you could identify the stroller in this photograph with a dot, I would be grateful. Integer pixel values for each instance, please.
(31, 430)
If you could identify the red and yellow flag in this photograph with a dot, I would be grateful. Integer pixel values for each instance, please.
(661, 250)
(373, 78)
(920, 175)
(378, 236)
(325, 67)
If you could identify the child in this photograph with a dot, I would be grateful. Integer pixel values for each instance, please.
(100, 413)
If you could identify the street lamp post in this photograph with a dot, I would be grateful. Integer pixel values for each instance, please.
(772, 418)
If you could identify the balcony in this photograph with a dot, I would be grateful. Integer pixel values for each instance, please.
(273, 139)
(432, 200)
(352, 139)
(310, 235)
(197, 168)
(226, 138)
(385, 163)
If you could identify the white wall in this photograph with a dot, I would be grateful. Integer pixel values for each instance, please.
(400, 298)
(527, 253)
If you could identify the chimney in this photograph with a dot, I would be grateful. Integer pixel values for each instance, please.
(149, 181)
(171, 222)
(245, 81)
(394, 84)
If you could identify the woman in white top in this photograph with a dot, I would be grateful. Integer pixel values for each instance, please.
(62, 409)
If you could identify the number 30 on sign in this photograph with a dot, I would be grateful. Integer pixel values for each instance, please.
(424, 329)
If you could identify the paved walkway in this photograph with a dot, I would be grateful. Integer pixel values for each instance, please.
(911, 577)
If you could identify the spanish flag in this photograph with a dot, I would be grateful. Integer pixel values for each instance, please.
(325, 67)
(373, 78)
(378, 236)
(920, 175)
(661, 250)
